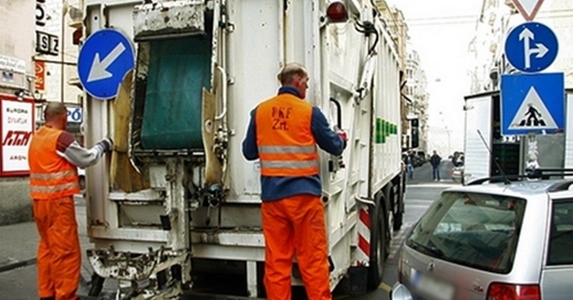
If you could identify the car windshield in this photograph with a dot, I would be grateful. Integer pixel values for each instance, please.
(471, 229)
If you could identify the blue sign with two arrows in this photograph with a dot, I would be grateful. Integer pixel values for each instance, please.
(531, 47)
(105, 58)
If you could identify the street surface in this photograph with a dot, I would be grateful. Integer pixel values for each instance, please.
(420, 193)
(19, 242)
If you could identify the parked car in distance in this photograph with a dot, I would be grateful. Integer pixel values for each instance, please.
(492, 241)
(457, 174)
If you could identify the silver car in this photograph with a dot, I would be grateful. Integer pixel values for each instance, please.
(492, 241)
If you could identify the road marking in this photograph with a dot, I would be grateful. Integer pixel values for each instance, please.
(385, 287)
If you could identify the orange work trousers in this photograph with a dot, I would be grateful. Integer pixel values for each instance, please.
(59, 255)
(295, 225)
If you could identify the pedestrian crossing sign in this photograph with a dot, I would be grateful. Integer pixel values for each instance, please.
(532, 103)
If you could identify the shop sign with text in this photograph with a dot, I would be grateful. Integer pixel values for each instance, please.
(17, 130)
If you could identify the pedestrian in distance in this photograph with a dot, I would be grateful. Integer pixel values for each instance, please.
(283, 133)
(435, 161)
(409, 161)
(54, 157)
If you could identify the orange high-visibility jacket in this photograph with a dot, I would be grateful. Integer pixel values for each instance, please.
(284, 137)
(51, 176)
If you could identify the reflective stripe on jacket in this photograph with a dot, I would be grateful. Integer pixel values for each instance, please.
(284, 137)
(51, 176)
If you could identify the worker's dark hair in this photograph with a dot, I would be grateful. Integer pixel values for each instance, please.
(290, 71)
(54, 109)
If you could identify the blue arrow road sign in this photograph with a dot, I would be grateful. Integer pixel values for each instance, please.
(532, 103)
(104, 59)
(531, 47)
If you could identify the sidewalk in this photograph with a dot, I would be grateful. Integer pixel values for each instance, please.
(18, 247)
(19, 243)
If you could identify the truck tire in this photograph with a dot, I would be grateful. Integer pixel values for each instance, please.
(96, 285)
(378, 244)
(398, 221)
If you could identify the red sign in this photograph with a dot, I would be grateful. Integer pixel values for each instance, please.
(40, 83)
(528, 8)
(17, 138)
(16, 128)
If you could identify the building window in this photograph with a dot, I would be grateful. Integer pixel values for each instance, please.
(7, 76)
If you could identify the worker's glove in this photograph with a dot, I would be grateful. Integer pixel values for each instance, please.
(343, 136)
(107, 144)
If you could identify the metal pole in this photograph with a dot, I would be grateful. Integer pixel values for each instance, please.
(63, 51)
(532, 152)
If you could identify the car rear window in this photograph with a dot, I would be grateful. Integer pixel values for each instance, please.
(472, 229)
(561, 236)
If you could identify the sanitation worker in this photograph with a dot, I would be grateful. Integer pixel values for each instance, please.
(54, 157)
(283, 133)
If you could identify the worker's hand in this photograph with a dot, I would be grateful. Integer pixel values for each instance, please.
(343, 136)
(107, 144)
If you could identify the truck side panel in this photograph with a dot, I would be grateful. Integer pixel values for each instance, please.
(386, 163)
(478, 112)
(569, 130)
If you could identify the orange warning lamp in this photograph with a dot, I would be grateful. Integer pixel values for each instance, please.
(336, 12)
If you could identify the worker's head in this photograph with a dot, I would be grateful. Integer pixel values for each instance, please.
(296, 76)
(56, 115)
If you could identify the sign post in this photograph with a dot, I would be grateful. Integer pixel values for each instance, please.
(532, 103)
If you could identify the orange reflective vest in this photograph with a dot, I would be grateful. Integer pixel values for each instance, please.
(51, 176)
(284, 137)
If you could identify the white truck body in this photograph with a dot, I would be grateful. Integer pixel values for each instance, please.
(478, 110)
(181, 218)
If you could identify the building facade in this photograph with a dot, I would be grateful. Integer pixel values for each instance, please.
(416, 92)
(37, 60)
(497, 18)
(17, 35)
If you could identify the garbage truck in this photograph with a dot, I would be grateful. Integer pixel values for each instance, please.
(177, 200)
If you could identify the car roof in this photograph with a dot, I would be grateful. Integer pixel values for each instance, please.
(521, 189)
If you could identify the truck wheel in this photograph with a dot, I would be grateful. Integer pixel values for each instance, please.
(378, 245)
(96, 285)
(398, 221)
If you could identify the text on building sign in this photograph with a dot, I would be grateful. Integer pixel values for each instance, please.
(17, 138)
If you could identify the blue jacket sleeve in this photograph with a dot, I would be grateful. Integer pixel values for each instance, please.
(326, 139)
(250, 149)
